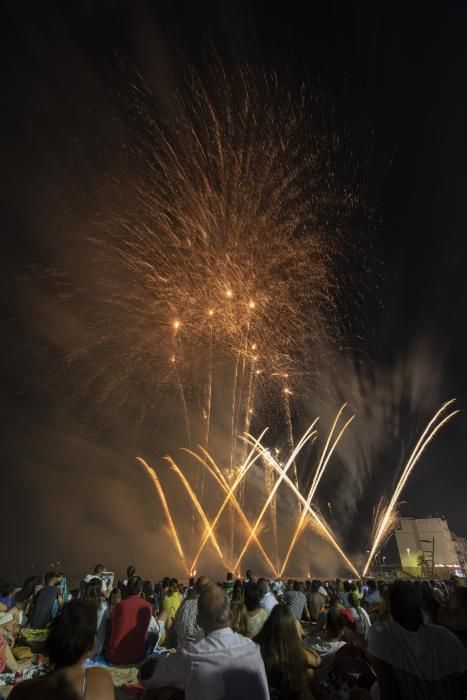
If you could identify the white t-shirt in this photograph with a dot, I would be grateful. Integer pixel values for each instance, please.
(222, 666)
(362, 621)
(427, 663)
(268, 602)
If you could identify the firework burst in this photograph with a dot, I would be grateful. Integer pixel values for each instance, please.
(220, 248)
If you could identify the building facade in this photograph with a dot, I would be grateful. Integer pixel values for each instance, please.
(430, 540)
(460, 545)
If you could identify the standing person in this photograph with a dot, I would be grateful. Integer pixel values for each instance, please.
(360, 616)
(412, 659)
(130, 624)
(257, 615)
(267, 600)
(429, 605)
(186, 624)
(93, 597)
(99, 570)
(221, 665)
(248, 579)
(237, 592)
(43, 603)
(344, 595)
(229, 584)
(148, 594)
(173, 599)
(372, 595)
(69, 643)
(295, 601)
(123, 585)
(190, 588)
(288, 664)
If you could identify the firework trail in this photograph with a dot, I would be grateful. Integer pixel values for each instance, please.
(426, 437)
(209, 464)
(172, 529)
(320, 469)
(240, 475)
(309, 433)
(322, 525)
(197, 505)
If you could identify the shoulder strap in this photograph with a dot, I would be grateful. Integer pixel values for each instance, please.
(83, 687)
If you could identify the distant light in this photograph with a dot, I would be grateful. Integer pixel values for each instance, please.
(252, 304)
(229, 293)
(176, 324)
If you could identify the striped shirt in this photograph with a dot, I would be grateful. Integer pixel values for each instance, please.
(295, 602)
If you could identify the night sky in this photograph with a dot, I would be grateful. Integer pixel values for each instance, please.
(391, 78)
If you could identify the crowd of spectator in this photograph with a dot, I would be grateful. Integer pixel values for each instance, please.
(249, 639)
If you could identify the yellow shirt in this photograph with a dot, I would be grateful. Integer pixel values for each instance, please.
(171, 603)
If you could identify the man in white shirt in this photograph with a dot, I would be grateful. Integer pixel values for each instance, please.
(268, 600)
(221, 666)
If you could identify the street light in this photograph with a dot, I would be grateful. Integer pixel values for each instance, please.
(408, 554)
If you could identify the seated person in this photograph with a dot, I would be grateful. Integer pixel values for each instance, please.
(413, 660)
(222, 664)
(288, 664)
(329, 643)
(296, 602)
(129, 625)
(346, 614)
(43, 604)
(7, 599)
(69, 643)
(93, 597)
(24, 597)
(186, 625)
(173, 599)
(257, 615)
(316, 600)
(267, 599)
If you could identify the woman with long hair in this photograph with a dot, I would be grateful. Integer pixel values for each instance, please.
(93, 597)
(24, 597)
(288, 665)
(257, 615)
(239, 617)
